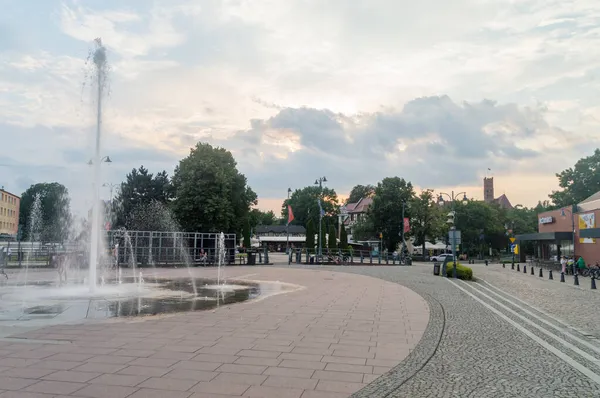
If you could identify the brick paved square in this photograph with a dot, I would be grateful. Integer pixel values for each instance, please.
(287, 345)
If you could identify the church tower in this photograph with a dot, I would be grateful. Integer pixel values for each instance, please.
(488, 189)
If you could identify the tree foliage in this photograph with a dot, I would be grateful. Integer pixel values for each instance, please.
(481, 225)
(385, 213)
(141, 190)
(359, 192)
(211, 195)
(246, 234)
(259, 217)
(578, 182)
(322, 238)
(343, 238)
(310, 235)
(332, 239)
(305, 205)
(427, 223)
(55, 212)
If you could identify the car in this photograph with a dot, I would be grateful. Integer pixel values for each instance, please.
(441, 257)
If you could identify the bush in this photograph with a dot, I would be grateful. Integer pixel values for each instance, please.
(462, 272)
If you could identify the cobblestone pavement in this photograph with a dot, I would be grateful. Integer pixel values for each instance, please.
(481, 342)
(329, 337)
(578, 306)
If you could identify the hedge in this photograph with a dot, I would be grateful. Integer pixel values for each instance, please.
(462, 272)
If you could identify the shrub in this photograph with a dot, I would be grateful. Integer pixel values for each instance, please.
(462, 272)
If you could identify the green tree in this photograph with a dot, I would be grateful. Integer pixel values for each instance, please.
(578, 182)
(343, 238)
(385, 213)
(259, 217)
(481, 225)
(55, 212)
(305, 205)
(359, 192)
(332, 241)
(427, 223)
(211, 194)
(363, 229)
(247, 229)
(141, 190)
(310, 236)
(322, 237)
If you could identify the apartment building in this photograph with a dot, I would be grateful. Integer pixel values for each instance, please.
(9, 213)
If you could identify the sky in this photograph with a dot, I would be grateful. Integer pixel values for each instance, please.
(439, 93)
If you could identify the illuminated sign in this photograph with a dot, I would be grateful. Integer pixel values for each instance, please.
(546, 220)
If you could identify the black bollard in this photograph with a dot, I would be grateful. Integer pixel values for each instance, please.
(518, 268)
(503, 265)
(524, 268)
(575, 280)
(562, 276)
(532, 271)
(541, 273)
(550, 275)
(593, 283)
(512, 266)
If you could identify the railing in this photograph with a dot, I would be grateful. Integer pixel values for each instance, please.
(346, 257)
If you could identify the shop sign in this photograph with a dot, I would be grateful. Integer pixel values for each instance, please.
(546, 220)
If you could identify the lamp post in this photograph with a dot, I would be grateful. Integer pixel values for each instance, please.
(563, 214)
(403, 250)
(319, 181)
(287, 228)
(452, 221)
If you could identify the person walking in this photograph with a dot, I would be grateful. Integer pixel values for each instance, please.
(581, 265)
(563, 265)
(570, 265)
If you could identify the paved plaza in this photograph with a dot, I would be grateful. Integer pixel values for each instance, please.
(328, 337)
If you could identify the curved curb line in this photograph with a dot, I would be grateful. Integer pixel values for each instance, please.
(389, 382)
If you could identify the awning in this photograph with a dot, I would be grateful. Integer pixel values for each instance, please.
(545, 236)
(589, 233)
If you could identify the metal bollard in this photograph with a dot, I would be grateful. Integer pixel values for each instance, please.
(550, 275)
(513, 266)
(541, 273)
(524, 268)
(562, 276)
(518, 268)
(503, 265)
(575, 280)
(593, 283)
(532, 271)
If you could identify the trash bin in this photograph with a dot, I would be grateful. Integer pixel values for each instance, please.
(436, 268)
(312, 259)
(251, 258)
(408, 261)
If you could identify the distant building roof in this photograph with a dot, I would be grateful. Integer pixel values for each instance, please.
(359, 207)
(503, 202)
(279, 229)
(590, 203)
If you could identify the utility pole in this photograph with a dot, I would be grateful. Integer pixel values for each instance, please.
(319, 181)
(287, 245)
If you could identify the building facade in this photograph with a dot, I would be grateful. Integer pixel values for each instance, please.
(9, 214)
(568, 231)
(354, 212)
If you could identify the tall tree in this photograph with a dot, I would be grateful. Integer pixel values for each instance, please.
(359, 192)
(427, 224)
(246, 233)
(578, 182)
(322, 238)
(481, 225)
(211, 194)
(140, 190)
(310, 236)
(305, 205)
(343, 238)
(259, 217)
(55, 212)
(332, 241)
(385, 213)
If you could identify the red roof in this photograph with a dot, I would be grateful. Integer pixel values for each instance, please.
(359, 207)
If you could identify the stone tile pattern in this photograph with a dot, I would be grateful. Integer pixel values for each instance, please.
(329, 339)
(478, 355)
(549, 295)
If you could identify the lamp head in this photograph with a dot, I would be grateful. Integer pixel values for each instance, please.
(324, 179)
(107, 160)
(465, 200)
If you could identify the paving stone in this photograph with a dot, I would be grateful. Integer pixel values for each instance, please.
(55, 387)
(105, 391)
(169, 384)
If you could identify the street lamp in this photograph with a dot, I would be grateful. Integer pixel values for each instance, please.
(287, 246)
(105, 159)
(563, 214)
(319, 181)
(452, 220)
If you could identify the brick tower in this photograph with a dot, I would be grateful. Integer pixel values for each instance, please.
(488, 189)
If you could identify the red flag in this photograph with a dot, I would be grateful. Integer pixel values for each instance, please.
(290, 214)
(406, 225)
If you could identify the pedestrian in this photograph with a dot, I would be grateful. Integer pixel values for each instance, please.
(563, 265)
(580, 264)
(570, 265)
